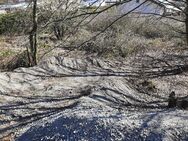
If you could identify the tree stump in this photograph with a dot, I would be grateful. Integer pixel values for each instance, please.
(172, 101)
(180, 102)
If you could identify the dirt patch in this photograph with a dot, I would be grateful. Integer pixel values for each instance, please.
(60, 83)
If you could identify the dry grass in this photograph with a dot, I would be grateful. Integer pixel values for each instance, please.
(14, 61)
(127, 37)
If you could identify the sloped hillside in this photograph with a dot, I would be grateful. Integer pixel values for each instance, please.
(68, 98)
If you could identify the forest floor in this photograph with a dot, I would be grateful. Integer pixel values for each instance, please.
(85, 97)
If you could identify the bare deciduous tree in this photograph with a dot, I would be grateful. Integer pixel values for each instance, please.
(69, 10)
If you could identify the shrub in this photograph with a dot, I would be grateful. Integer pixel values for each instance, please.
(14, 23)
(20, 22)
(131, 45)
(15, 61)
(6, 53)
(131, 35)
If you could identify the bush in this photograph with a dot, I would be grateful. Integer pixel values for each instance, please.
(6, 53)
(20, 22)
(118, 40)
(15, 61)
(14, 23)
(131, 35)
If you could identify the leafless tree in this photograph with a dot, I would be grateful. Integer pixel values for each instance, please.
(72, 9)
(177, 11)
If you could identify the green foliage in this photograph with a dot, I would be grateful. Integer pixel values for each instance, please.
(6, 53)
(14, 23)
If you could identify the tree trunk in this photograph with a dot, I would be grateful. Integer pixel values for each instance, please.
(186, 21)
(32, 50)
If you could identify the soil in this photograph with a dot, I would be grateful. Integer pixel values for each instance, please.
(90, 98)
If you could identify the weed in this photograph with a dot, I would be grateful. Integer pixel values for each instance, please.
(6, 53)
